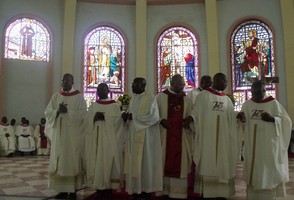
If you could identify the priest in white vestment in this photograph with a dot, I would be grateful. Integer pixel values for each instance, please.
(25, 135)
(65, 115)
(7, 138)
(143, 160)
(267, 136)
(205, 82)
(174, 107)
(103, 155)
(216, 147)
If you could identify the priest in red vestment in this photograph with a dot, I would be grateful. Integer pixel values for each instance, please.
(174, 106)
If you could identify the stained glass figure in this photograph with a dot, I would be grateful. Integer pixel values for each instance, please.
(177, 53)
(104, 62)
(27, 39)
(252, 58)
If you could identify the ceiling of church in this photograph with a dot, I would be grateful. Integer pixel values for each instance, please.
(149, 2)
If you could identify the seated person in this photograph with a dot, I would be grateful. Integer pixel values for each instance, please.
(42, 142)
(25, 132)
(7, 138)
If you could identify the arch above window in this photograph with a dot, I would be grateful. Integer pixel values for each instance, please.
(252, 56)
(104, 62)
(27, 39)
(177, 53)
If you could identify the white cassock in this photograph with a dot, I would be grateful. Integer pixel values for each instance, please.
(103, 155)
(7, 144)
(266, 149)
(216, 146)
(143, 160)
(25, 134)
(42, 149)
(67, 141)
(176, 186)
(193, 93)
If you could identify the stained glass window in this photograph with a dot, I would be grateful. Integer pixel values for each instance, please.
(252, 57)
(177, 53)
(27, 39)
(104, 62)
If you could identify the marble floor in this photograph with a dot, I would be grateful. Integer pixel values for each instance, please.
(25, 178)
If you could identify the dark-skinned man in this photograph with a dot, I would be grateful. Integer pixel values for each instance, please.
(65, 116)
(143, 160)
(174, 106)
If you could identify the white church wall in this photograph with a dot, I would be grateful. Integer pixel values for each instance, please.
(121, 16)
(26, 84)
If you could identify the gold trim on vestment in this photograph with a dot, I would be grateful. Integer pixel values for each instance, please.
(217, 134)
(253, 155)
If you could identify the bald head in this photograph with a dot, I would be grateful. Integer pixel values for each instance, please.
(205, 82)
(219, 82)
(67, 82)
(258, 90)
(138, 85)
(177, 84)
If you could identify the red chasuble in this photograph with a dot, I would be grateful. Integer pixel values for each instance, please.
(173, 157)
(43, 138)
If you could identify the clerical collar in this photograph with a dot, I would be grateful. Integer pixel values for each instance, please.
(264, 100)
(140, 93)
(6, 124)
(174, 92)
(213, 91)
(70, 91)
(171, 91)
(105, 101)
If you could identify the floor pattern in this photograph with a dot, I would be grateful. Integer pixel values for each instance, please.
(26, 178)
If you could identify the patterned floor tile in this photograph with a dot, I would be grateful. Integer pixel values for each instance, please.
(26, 178)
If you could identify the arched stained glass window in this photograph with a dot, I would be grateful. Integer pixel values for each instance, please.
(104, 62)
(252, 58)
(27, 39)
(177, 53)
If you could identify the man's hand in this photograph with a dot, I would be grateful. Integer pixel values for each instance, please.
(99, 116)
(164, 123)
(241, 116)
(62, 108)
(267, 117)
(130, 116)
(124, 116)
(187, 121)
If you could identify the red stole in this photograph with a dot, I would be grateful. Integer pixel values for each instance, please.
(105, 102)
(42, 137)
(173, 157)
(270, 98)
(69, 93)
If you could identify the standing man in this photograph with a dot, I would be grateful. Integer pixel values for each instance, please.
(174, 106)
(7, 138)
(103, 153)
(143, 163)
(205, 82)
(216, 145)
(64, 115)
(267, 136)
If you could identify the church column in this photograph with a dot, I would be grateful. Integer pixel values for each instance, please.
(212, 37)
(287, 10)
(68, 36)
(141, 38)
